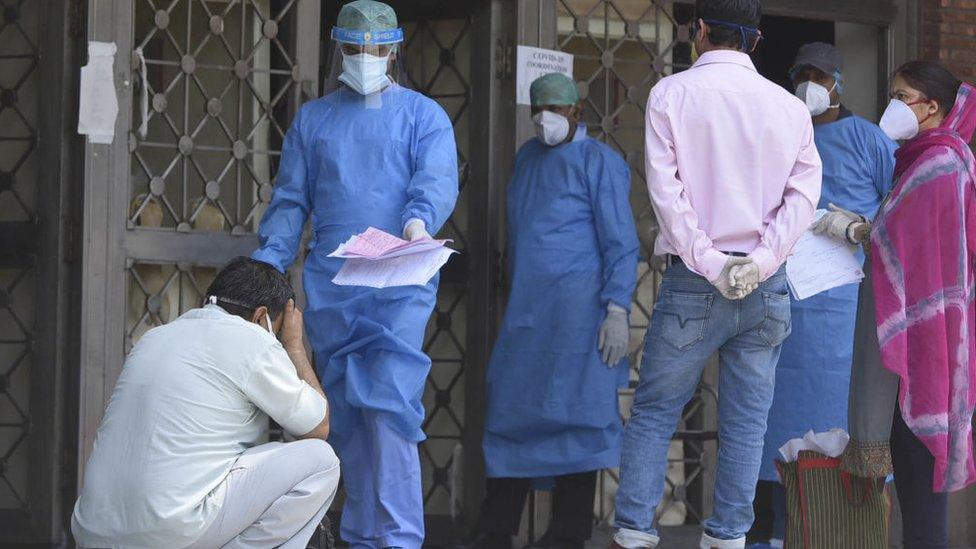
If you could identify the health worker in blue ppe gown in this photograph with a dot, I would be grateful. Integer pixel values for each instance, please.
(814, 369)
(369, 154)
(560, 356)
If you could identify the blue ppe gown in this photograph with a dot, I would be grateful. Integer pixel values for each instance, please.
(814, 369)
(348, 165)
(572, 250)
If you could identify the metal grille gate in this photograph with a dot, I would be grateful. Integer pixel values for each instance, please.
(621, 49)
(223, 78)
(34, 297)
(19, 190)
(438, 54)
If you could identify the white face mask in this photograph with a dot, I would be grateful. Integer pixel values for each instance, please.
(267, 319)
(815, 96)
(899, 121)
(551, 128)
(365, 73)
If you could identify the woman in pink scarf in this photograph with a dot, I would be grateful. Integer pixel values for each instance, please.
(915, 351)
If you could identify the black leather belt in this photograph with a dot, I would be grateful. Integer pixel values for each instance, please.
(676, 259)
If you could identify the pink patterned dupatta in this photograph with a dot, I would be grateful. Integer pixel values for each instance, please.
(923, 246)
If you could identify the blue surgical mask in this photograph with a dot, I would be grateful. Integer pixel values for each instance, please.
(365, 73)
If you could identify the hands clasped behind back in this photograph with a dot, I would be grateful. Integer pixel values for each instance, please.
(738, 279)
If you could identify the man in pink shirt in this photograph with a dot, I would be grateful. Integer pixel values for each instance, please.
(734, 178)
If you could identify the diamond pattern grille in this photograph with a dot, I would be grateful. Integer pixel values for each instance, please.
(19, 96)
(621, 49)
(220, 75)
(438, 56)
(219, 79)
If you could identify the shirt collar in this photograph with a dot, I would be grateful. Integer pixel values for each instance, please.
(725, 56)
(216, 312)
(580, 132)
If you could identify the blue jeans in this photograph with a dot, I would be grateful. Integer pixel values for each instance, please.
(692, 321)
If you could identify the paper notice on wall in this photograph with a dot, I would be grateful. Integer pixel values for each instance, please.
(98, 105)
(531, 63)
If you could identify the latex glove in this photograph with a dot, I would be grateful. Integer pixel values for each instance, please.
(836, 222)
(614, 335)
(745, 278)
(726, 283)
(415, 229)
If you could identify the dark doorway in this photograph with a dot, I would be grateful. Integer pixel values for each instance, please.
(782, 37)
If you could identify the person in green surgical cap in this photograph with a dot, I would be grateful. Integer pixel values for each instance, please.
(561, 352)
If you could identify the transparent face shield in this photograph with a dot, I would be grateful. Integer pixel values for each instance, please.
(365, 64)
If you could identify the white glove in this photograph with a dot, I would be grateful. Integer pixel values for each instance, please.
(745, 278)
(415, 229)
(726, 283)
(614, 335)
(835, 223)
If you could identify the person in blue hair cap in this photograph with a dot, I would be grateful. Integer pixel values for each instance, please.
(369, 154)
(561, 353)
(814, 368)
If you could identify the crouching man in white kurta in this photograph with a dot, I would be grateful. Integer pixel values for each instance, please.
(179, 461)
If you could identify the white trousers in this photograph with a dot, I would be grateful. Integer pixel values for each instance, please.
(276, 495)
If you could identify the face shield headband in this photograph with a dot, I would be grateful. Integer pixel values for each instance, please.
(367, 38)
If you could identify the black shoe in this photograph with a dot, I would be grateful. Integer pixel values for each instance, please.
(483, 541)
(549, 541)
(322, 538)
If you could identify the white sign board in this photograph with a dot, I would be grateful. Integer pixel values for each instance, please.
(531, 63)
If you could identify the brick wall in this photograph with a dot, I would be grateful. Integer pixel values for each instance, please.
(947, 33)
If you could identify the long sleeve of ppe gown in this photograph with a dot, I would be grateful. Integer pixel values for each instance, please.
(281, 227)
(616, 232)
(433, 189)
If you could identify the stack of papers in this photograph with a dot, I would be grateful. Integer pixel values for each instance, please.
(380, 260)
(819, 263)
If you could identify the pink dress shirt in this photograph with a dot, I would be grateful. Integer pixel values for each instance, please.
(731, 165)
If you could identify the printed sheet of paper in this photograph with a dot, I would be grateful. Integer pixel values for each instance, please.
(404, 270)
(380, 260)
(98, 106)
(376, 244)
(819, 263)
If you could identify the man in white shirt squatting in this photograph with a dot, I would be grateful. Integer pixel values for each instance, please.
(180, 458)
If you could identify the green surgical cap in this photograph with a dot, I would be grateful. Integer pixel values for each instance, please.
(553, 89)
(367, 15)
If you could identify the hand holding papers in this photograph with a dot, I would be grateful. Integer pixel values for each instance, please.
(819, 263)
(380, 260)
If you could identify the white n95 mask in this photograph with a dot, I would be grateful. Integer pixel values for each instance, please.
(815, 96)
(365, 73)
(899, 121)
(551, 128)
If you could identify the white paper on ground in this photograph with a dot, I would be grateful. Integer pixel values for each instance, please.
(830, 444)
(819, 263)
(404, 270)
(98, 105)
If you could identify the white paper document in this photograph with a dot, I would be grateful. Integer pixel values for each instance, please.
(98, 106)
(819, 263)
(380, 260)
